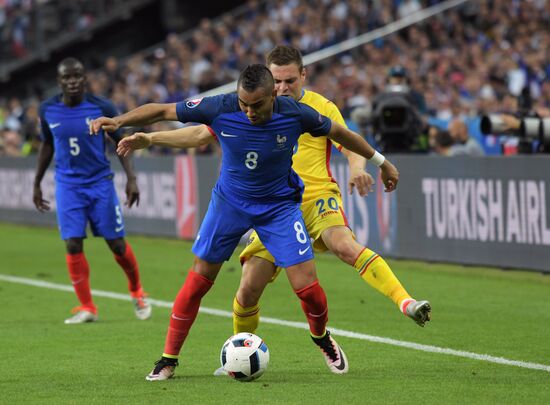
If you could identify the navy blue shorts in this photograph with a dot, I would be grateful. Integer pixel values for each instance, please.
(97, 203)
(279, 225)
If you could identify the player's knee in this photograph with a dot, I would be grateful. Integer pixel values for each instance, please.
(346, 250)
(206, 269)
(248, 295)
(117, 246)
(73, 246)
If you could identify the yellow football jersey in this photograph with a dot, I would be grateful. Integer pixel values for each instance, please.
(312, 159)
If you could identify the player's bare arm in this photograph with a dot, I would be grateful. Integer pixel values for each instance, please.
(144, 115)
(359, 178)
(182, 138)
(45, 156)
(355, 143)
(132, 189)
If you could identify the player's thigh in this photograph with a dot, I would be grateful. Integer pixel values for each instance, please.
(322, 213)
(256, 249)
(71, 211)
(285, 235)
(220, 231)
(105, 212)
(257, 273)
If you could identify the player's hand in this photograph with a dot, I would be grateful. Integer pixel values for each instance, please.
(127, 145)
(390, 175)
(40, 204)
(103, 123)
(360, 179)
(132, 192)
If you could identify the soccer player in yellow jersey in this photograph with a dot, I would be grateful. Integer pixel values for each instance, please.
(330, 230)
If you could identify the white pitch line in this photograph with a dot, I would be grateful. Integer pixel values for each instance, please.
(298, 325)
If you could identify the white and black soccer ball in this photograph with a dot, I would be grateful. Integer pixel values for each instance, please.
(244, 356)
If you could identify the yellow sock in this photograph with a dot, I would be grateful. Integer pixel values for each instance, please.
(376, 272)
(245, 319)
(318, 337)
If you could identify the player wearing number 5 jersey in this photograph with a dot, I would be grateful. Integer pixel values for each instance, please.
(257, 188)
(84, 186)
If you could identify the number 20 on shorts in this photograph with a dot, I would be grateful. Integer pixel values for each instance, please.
(331, 203)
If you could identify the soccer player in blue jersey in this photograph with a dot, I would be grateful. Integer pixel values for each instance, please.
(84, 186)
(257, 188)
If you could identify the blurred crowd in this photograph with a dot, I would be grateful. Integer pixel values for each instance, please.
(477, 58)
(15, 24)
(27, 24)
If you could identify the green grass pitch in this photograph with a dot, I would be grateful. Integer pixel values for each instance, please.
(482, 311)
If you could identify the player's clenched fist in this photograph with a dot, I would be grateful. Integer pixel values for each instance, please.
(105, 123)
(390, 175)
(139, 140)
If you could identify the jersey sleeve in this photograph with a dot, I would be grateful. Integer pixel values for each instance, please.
(314, 122)
(334, 114)
(205, 110)
(45, 133)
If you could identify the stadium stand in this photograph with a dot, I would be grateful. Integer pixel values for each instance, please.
(476, 58)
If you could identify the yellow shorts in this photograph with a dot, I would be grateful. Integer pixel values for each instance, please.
(319, 214)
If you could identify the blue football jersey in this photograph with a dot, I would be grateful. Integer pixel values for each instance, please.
(256, 159)
(79, 157)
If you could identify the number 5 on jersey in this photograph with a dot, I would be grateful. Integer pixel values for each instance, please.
(73, 144)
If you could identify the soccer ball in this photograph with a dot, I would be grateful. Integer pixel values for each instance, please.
(244, 356)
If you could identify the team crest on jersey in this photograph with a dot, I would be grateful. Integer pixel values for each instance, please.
(281, 142)
(193, 103)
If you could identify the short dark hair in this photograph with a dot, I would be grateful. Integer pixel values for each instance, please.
(283, 55)
(69, 62)
(256, 76)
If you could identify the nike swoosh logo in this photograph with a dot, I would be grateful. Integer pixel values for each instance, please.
(55, 125)
(228, 135)
(301, 252)
(342, 364)
(120, 228)
(180, 319)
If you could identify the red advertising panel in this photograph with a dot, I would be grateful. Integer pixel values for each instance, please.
(186, 197)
